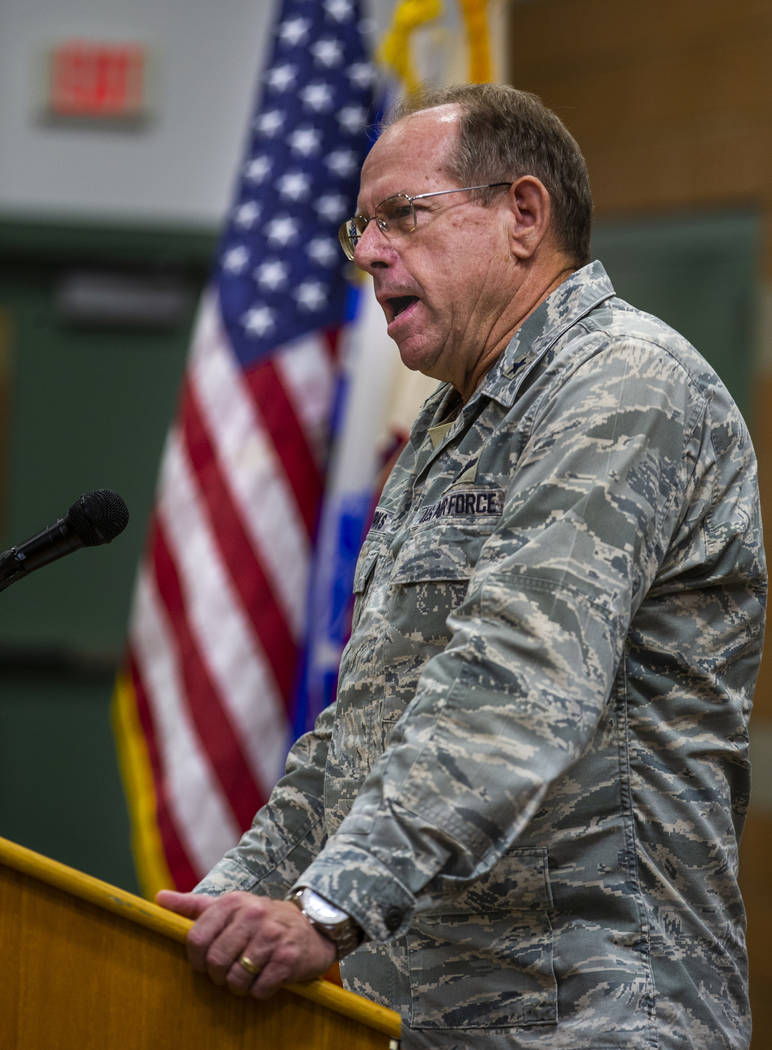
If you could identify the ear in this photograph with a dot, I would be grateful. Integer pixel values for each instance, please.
(531, 215)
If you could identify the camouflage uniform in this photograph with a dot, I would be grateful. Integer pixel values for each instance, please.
(530, 790)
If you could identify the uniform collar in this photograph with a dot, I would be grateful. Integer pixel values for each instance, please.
(573, 299)
(577, 296)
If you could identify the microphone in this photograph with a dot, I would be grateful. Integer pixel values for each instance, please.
(94, 518)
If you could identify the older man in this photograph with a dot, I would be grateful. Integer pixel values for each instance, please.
(518, 824)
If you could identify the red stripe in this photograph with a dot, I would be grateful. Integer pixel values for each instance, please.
(242, 561)
(183, 873)
(278, 416)
(209, 714)
(333, 342)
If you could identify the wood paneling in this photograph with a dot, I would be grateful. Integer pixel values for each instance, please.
(671, 101)
(88, 966)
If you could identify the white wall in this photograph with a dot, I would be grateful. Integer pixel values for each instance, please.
(178, 168)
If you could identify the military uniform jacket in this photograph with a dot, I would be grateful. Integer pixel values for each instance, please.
(530, 789)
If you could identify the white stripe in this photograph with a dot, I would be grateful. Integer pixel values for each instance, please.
(217, 621)
(373, 366)
(201, 814)
(251, 467)
(308, 375)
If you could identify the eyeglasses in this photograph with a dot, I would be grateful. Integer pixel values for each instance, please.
(395, 214)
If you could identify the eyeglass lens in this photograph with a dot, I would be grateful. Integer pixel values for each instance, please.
(395, 213)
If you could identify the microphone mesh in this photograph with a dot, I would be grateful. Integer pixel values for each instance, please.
(97, 517)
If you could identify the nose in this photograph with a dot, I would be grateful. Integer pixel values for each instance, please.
(373, 250)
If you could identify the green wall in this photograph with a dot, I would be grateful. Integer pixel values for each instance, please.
(699, 273)
(89, 402)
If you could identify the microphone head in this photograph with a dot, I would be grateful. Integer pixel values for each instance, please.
(97, 517)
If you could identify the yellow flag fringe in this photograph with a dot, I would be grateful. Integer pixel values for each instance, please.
(478, 40)
(134, 763)
(394, 49)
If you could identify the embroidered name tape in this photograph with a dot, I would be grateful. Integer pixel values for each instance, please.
(476, 503)
(381, 518)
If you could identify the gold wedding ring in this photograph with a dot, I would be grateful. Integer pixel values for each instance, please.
(249, 966)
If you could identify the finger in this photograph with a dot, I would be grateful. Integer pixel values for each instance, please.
(191, 905)
(251, 935)
(274, 974)
(270, 944)
(214, 940)
(223, 955)
(222, 933)
(246, 969)
(293, 959)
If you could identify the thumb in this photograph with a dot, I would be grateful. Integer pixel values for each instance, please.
(191, 905)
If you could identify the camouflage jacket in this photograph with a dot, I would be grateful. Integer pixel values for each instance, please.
(530, 789)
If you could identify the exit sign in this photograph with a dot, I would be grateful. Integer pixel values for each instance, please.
(97, 81)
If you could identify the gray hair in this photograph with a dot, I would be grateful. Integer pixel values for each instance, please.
(505, 133)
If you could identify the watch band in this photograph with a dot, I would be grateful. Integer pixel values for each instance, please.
(329, 920)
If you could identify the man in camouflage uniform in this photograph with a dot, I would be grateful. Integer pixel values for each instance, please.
(527, 799)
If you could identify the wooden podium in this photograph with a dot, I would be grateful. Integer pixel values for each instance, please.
(86, 966)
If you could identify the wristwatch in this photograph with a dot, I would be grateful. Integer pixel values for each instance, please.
(332, 922)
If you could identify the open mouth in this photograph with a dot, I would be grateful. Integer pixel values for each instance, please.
(399, 303)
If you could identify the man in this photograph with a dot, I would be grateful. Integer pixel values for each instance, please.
(527, 799)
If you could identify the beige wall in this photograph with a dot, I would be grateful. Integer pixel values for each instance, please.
(671, 101)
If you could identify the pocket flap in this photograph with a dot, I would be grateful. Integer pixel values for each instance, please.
(364, 569)
(432, 555)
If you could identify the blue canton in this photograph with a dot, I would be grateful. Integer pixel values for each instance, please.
(280, 271)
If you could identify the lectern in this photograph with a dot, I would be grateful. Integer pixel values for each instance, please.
(87, 966)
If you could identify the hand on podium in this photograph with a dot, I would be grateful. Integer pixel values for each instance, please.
(251, 944)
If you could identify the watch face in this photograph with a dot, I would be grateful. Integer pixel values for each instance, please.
(321, 910)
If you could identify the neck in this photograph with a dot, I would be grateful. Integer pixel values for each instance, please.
(536, 287)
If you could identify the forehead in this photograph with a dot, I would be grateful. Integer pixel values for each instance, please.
(410, 156)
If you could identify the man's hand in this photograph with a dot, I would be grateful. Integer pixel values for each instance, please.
(279, 942)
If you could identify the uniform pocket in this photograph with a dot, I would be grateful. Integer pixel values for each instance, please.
(363, 574)
(430, 580)
(486, 960)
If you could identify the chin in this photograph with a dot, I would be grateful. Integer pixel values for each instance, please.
(421, 359)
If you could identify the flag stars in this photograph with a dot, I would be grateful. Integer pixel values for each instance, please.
(310, 295)
(280, 78)
(294, 31)
(317, 96)
(257, 169)
(236, 259)
(282, 230)
(272, 274)
(258, 320)
(361, 74)
(323, 250)
(305, 141)
(332, 206)
(247, 214)
(327, 52)
(352, 118)
(295, 185)
(343, 162)
(340, 10)
(270, 122)
(281, 264)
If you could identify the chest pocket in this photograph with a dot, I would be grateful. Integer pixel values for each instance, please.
(429, 582)
(363, 574)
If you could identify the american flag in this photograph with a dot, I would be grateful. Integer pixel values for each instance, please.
(219, 613)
